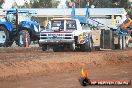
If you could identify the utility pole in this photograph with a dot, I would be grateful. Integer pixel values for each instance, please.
(79, 3)
(52, 3)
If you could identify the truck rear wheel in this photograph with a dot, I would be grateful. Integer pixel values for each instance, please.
(87, 46)
(23, 38)
(121, 43)
(5, 39)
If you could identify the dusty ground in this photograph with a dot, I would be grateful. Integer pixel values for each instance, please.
(32, 68)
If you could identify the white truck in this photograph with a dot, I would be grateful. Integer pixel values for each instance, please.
(66, 33)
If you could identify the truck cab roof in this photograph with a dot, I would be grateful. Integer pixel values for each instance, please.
(62, 19)
(19, 11)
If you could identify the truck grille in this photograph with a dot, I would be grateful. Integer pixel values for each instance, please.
(56, 36)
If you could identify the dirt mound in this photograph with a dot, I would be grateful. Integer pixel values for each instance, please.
(20, 62)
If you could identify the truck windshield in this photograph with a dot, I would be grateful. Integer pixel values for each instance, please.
(71, 25)
(11, 17)
(24, 17)
(57, 24)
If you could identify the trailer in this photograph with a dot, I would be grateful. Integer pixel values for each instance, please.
(104, 35)
(107, 37)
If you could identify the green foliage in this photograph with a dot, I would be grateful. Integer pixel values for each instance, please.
(55, 3)
(1, 2)
(45, 3)
(78, 3)
(42, 4)
(103, 3)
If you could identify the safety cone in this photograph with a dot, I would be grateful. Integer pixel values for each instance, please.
(27, 45)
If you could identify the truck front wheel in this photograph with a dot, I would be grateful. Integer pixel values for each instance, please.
(23, 38)
(44, 47)
(5, 39)
(58, 48)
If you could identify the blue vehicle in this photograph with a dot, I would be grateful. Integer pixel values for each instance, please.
(18, 26)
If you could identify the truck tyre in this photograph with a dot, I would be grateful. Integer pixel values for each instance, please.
(57, 48)
(44, 47)
(6, 40)
(87, 46)
(72, 46)
(122, 42)
(23, 38)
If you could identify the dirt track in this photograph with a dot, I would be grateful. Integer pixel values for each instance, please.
(20, 66)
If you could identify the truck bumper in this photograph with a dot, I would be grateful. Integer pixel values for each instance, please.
(56, 41)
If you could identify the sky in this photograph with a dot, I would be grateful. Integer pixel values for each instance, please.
(8, 3)
(130, 0)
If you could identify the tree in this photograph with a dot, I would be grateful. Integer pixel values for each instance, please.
(82, 3)
(44, 3)
(55, 3)
(120, 3)
(102, 3)
(1, 2)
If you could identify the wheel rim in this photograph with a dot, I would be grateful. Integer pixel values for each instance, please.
(21, 39)
(73, 46)
(2, 37)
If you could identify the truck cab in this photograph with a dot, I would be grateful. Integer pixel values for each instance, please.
(65, 32)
